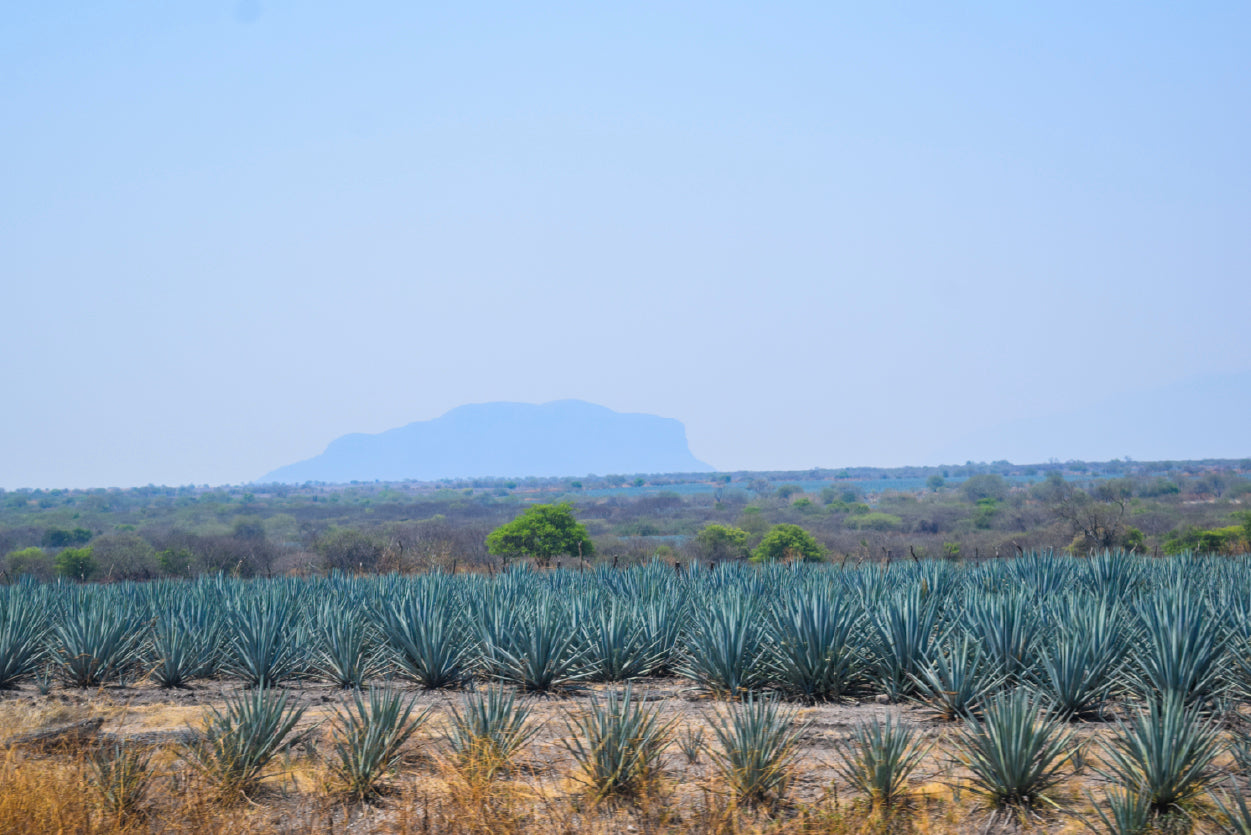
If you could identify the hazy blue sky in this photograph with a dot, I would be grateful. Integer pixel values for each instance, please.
(818, 234)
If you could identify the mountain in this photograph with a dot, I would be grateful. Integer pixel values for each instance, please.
(562, 438)
(1194, 419)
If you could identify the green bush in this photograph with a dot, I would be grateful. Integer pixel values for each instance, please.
(76, 564)
(788, 542)
(30, 562)
(722, 542)
(873, 521)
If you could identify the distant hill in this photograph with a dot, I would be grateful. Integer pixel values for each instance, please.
(562, 438)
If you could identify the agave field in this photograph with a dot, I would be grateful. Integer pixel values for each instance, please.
(1013, 657)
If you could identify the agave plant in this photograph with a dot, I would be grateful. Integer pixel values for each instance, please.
(180, 651)
(266, 644)
(1182, 650)
(543, 655)
(426, 639)
(691, 743)
(956, 682)
(758, 745)
(1128, 813)
(368, 738)
(1008, 628)
(347, 654)
(122, 777)
(879, 758)
(1076, 676)
(237, 743)
(22, 627)
(618, 647)
(617, 745)
(1016, 750)
(725, 651)
(488, 731)
(814, 654)
(96, 637)
(1165, 753)
(905, 637)
(662, 619)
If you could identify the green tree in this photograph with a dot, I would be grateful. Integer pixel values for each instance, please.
(76, 564)
(935, 482)
(788, 542)
(722, 542)
(542, 532)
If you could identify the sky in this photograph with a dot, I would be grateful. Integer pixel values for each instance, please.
(819, 234)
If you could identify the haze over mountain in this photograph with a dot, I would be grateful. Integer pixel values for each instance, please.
(561, 438)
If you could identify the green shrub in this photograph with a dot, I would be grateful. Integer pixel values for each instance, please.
(30, 562)
(873, 521)
(76, 564)
(789, 542)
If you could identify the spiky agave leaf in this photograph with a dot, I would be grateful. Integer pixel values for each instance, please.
(879, 757)
(758, 744)
(1128, 812)
(1164, 753)
(1235, 816)
(1016, 750)
(238, 742)
(368, 738)
(488, 730)
(617, 745)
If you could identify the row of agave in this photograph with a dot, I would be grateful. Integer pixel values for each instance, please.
(1159, 764)
(1077, 631)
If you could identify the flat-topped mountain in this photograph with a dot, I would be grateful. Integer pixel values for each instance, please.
(561, 438)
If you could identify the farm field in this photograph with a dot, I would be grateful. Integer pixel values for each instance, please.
(1043, 692)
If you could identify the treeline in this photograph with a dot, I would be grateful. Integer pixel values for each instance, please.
(152, 532)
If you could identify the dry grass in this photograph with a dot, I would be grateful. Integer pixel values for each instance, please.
(50, 793)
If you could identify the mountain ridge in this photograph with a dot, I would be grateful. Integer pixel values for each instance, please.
(504, 439)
